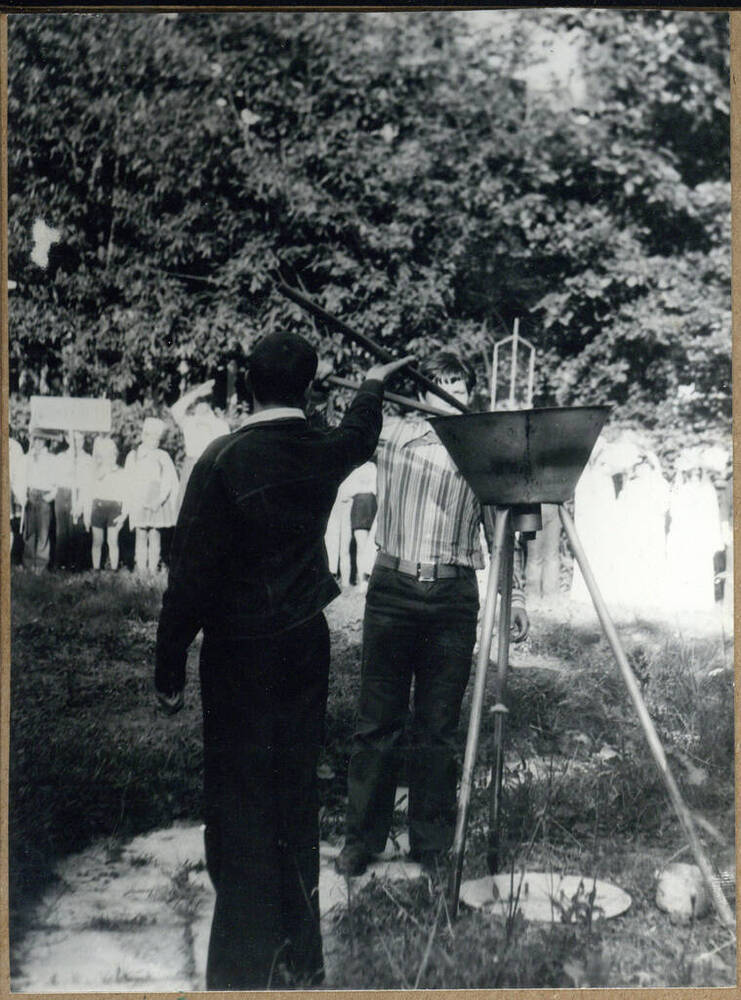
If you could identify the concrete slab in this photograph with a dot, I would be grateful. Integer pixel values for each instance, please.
(180, 844)
(334, 889)
(75, 960)
(138, 918)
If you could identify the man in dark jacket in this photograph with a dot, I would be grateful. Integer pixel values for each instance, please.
(248, 566)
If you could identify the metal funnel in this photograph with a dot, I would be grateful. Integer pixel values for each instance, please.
(522, 456)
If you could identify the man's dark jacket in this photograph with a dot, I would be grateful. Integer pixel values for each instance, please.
(248, 556)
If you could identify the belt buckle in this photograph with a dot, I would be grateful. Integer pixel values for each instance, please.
(426, 572)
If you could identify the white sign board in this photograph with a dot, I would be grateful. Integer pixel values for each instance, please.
(71, 413)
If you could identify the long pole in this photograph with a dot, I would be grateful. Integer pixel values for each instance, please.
(501, 527)
(513, 371)
(370, 345)
(654, 743)
(392, 397)
(499, 709)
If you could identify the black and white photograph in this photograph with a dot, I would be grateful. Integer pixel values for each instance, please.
(369, 472)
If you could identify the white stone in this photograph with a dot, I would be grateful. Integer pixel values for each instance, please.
(681, 892)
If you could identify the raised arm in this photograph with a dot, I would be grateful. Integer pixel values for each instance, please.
(180, 408)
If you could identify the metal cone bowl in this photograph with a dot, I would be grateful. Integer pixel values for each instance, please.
(522, 456)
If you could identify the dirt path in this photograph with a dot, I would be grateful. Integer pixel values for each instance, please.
(137, 917)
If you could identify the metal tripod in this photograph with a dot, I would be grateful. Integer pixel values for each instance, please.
(506, 521)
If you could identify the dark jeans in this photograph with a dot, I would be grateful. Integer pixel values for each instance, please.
(63, 521)
(263, 717)
(424, 631)
(72, 541)
(16, 545)
(37, 531)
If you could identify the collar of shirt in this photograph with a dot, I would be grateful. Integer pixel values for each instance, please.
(410, 429)
(274, 413)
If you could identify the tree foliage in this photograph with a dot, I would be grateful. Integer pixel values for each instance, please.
(397, 168)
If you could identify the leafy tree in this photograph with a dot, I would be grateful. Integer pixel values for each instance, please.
(395, 167)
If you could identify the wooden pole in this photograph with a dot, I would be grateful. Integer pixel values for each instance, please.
(654, 743)
(410, 404)
(501, 527)
(371, 346)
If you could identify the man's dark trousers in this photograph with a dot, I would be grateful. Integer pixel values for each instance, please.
(37, 530)
(424, 630)
(264, 702)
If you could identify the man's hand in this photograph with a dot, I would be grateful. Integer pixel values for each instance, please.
(382, 372)
(170, 703)
(520, 624)
(323, 370)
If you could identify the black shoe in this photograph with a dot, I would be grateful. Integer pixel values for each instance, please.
(352, 860)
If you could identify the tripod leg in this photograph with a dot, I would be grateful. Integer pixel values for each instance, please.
(649, 730)
(501, 527)
(495, 816)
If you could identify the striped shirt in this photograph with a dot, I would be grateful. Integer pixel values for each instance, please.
(427, 513)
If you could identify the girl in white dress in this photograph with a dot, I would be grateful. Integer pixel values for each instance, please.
(107, 505)
(154, 494)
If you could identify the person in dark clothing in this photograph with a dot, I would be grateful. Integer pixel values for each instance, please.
(249, 567)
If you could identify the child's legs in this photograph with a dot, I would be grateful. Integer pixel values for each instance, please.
(140, 548)
(155, 544)
(112, 537)
(97, 549)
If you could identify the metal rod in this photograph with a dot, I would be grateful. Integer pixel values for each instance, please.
(501, 526)
(499, 709)
(494, 377)
(513, 370)
(412, 404)
(531, 378)
(371, 346)
(683, 813)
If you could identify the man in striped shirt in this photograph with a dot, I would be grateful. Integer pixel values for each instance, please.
(420, 622)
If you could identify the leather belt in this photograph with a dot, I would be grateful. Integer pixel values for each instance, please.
(425, 572)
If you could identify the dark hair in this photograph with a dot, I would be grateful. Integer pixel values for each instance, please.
(281, 368)
(447, 364)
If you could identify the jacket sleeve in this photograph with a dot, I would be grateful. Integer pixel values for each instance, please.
(357, 435)
(199, 550)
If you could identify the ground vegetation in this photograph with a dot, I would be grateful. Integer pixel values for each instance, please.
(91, 760)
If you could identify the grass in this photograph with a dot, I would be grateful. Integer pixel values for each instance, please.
(91, 758)
(388, 930)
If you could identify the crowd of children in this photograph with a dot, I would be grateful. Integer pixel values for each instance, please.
(650, 543)
(69, 506)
